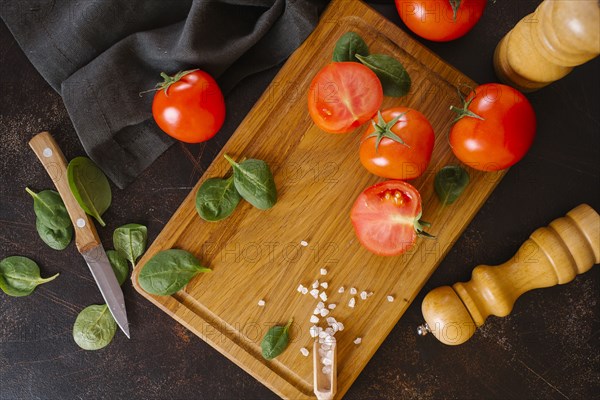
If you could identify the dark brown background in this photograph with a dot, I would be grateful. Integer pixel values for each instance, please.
(546, 349)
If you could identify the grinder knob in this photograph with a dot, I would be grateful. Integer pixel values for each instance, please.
(551, 256)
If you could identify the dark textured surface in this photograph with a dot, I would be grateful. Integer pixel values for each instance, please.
(546, 349)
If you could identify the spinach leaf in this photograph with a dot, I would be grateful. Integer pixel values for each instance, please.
(254, 182)
(450, 182)
(119, 265)
(130, 241)
(50, 209)
(394, 78)
(216, 199)
(90, 187)
(169, 271)
(275, 341)
(57, 239)
(94, 327)
(348, 46)
(19, 276)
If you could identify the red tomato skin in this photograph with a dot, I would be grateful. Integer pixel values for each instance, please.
(382, 226)
(192, 110)
(503, 137)
(394, 160)
(343, 96)
(434, 19)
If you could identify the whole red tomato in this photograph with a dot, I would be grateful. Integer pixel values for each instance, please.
(438, 20)
(387, 218)
(399, 145)
(189, 106)
(343, 96)
(496, 128)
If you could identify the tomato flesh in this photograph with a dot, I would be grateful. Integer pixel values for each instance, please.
(502, 137)
(434, 19)
(343, 96)
(384, 217)
(192, 109)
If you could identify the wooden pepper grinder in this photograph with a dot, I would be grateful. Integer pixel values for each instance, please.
(545, 45)
(551, 256)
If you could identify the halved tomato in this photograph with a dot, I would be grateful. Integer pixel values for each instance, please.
(387, 218)
(343, 96)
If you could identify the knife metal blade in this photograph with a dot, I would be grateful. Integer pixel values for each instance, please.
(109, 287)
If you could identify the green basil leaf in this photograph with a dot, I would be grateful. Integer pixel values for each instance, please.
(348, 46)
(119, 265)
(94, 327)
(169, 271)
(130, 241)
(90, 187)
(275, 341)
(394, 78)
(254, 182)
(57, 239)
(450, 182)
(19, 276)
(50, 209)
(216, 199)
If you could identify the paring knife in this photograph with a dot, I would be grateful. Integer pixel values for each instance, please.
(86, 237)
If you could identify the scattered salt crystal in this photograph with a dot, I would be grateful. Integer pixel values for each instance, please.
(323, 296)
(329, 331)
(315, 284)
(341, 289)
(314, 319)
(363, 295)
(323, 334)
(314, 331)
(331, 306)
(317, 311)
(300, 287)
(357, 340)
(304, 243)
(304, 290)
(331, 321)
(261, 303)
(324, 285)
(323, 271)
(352, 302)
(320, 305)
(353, 290)
(314, 293)
(324, 312)
(390, 298)
(340, 326)
(326, 370)
(327, 361)
(304, 351)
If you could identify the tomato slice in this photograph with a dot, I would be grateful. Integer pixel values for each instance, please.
(343, 96)
(386, 217)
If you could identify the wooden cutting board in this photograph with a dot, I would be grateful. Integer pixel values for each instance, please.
(257, 254)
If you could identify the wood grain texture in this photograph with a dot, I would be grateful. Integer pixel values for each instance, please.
(257, 254)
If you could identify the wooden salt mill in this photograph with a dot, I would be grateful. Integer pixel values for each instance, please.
(551, 256)
(545, 45)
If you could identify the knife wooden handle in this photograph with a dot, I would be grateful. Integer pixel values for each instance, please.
(53, 160)
(552, 255)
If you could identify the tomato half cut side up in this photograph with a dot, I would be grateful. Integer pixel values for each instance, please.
(386, 218)
(343, 96)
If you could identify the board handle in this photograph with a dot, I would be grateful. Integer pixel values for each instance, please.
(552, 255)
(52, 158)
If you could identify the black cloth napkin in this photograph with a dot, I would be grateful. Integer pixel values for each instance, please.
(100, 54)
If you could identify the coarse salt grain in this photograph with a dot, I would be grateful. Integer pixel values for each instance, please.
(340, 326)
(261, 303)
(323, 296)
(352, 302)
(304, 351)
(314, 293)
(323, 271)
(330, 320)
(390, 299)
(317, 311)
(314, 331)
(326, 361)
(324, 285)
(315, 284)
(357, 340)
(353, 290)
(363, 295)
(300, 287)
(324, 312)
(304, 290)
(304, 243)
(341, 289)
(314, 319)
(320, 305)
(331, 306)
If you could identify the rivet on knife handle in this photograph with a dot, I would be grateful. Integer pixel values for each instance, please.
(552, 255)
(53, 160)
